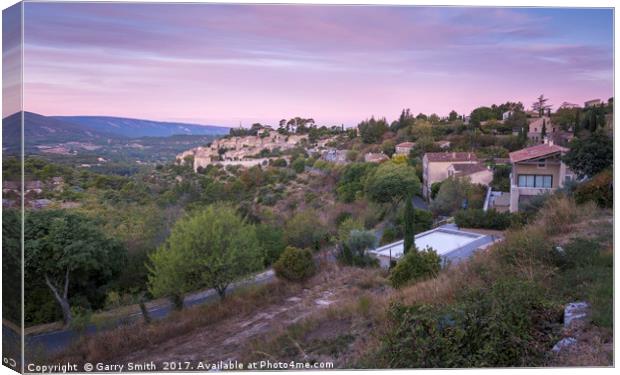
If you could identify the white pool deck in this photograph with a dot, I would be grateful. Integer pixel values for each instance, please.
(450, 243)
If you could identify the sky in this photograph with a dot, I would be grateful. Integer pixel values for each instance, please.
(240, 64)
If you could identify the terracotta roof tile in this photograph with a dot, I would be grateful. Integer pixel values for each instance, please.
(465, 169)
(406, 144)
(450, 156)
(535, 152)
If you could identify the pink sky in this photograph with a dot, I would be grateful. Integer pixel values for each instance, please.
(226, 64)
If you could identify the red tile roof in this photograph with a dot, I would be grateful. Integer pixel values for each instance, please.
(450, 156)
(535, 152)
(406, 144)
(466, 169)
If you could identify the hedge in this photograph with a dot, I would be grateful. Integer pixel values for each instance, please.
(477, 218)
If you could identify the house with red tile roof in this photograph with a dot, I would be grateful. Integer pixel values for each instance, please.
(404, 148)
(435, 166)
(537, 170)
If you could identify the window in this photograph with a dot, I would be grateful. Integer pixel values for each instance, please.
(541, 163)
(535, 181)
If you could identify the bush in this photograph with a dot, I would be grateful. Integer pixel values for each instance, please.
(353, 251)
(279, 162)
(304, 230)
(454, 192)
(502, 326)
(414, 266)
(599, 190)
(295, 264)
(271, 241)
(435, 186)
(299, 165)
(346, 226)
(389, 235)
(477, 218)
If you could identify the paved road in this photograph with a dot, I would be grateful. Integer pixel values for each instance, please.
(58, 340)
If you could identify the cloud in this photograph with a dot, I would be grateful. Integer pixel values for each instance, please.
(188, 59)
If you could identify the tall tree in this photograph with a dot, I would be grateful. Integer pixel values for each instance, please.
(540, 105)
(409, 225)
(543, 131)
(210, 248)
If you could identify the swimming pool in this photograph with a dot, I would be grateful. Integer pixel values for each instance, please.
(451, 244)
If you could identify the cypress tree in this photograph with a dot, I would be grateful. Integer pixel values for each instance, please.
(409, 225)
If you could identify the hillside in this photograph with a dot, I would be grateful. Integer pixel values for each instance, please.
(83, 139)
(354, 319)
(136, 128)
(40, 129)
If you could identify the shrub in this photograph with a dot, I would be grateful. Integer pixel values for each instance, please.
(477, 218)
(435, 186)
(414, 266)
(295, 264)
(353, 251)
(599, 190)
(304, 230)
(299, 165)
(345, 228)
(502, 326)
(271, 241)
(454, 192)
(389, 235)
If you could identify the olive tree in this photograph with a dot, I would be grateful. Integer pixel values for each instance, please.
(65, 249)
(210, 248)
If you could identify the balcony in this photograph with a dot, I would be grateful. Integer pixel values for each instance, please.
(514, 189)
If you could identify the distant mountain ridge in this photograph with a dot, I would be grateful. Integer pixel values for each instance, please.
(136, 128)
(40, 130)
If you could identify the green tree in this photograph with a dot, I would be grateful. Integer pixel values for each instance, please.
(305, 230)
(409, 225)
(271, 241)
(590, 155)
(543, 131)
(453, 116)
(391, 183)
(454, 192)
(65, 249)
(372, 130)
(540, 105)
(348, 225)
(481, 114)
(353, 251)
(388, 147)
(211, 248)
(352, 180)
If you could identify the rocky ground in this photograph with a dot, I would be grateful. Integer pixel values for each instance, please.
(231, 339)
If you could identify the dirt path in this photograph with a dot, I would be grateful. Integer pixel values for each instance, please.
(222, 341)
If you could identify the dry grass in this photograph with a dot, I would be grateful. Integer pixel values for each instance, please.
(126, 339)
(560, 213)
(343, 333)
